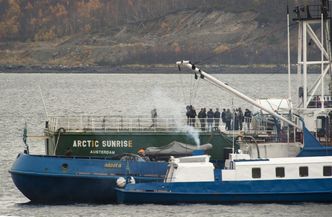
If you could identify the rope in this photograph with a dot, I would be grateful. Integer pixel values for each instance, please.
(56, 144)
(196, 89)
(190, 92)
(182, 88)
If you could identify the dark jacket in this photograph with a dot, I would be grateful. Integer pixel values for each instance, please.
(210, 115)
(201, 115)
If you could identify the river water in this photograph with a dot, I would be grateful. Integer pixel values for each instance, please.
(22, 100)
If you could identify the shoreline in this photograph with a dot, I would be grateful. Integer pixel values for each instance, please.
(146, 69)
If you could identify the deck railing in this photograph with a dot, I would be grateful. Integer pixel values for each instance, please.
(115, 123)
(255, 125)
(317, 103)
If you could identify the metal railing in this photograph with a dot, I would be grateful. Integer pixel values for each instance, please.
(254, 125)
(115, 123)
(317, 103)
(308, 12)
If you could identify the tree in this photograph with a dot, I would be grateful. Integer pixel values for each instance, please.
(10, 25)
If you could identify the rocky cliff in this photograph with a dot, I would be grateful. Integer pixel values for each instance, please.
(141, 32)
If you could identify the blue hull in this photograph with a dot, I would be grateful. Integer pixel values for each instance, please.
(54, 179)
(278, 191)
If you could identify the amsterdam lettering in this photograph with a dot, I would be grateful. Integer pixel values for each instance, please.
(104, 152)
(103, 143)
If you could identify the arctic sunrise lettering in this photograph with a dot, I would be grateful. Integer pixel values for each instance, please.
(103, 143)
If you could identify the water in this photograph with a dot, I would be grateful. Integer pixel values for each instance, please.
(105, 94)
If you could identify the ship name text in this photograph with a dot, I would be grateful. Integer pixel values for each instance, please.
(103, 143)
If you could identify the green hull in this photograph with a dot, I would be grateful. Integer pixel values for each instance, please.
(106, 144)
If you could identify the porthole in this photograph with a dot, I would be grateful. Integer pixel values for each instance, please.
(327, 171)
(280, 172)
(303, 171)
(256, 173)
(64, 166)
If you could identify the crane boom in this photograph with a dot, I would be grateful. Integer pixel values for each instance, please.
(223, 85)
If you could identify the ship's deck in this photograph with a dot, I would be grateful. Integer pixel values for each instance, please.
(263, 129)
(145, 124)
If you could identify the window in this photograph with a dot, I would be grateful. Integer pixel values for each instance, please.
(256, 173)
(327, 171)
(280, 172)
(303, 171)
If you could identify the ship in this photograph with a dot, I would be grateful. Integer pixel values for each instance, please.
(243, 180)
(306, 177)
(87, 154)
(101, 136)
(64, 180)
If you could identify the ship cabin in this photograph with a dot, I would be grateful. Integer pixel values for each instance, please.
(239, 167)
(278, 168)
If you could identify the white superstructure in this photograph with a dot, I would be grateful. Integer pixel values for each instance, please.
(279, 168)
(239, 167)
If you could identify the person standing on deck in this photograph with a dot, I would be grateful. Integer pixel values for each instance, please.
(247, 118)
(228, 118)
(141, 153)
(188, 107)
(192, 116)
(210, 116)
(223, 116)
(241, 118)
(202, 117)
(154, 117)
(216, 119)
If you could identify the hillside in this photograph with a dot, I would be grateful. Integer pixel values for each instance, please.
(142, 32)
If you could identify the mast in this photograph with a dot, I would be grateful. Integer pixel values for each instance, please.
(220, 84)
(322, 60)
(309, 19)
(288, 58)
(314, 102)
(289, 65)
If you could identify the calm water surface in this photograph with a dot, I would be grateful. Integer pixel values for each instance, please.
(115, 94)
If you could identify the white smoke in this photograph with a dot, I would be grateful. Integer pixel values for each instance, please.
(193, 132)
(170, 108)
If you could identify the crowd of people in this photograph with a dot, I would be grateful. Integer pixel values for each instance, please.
(210, 120)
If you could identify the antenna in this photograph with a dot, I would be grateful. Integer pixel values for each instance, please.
(288, 57)
(233, 126)
(42, 97)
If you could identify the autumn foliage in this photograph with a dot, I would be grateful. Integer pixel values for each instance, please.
(39, 20)
(47, 19)
(113, 32)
